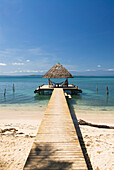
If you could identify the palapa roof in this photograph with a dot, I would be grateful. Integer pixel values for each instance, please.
(58, 71)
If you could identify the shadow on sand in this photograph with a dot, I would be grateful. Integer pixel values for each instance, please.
(80, 137)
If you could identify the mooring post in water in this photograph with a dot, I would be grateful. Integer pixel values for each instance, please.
(97, 89)
(39, 90)
(107, 90)
(13, 88)
(4, 92)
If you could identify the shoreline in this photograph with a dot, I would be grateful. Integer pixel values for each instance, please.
(14, 147)
(96, 116)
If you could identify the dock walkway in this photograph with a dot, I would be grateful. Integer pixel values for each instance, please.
(56, 145)
(47, 88)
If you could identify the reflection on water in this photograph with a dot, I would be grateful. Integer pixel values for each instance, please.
(75, 98)
(78, 96)
(107, 98)
(5, 98)
(41, 97)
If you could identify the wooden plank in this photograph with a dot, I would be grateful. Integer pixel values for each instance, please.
(56, 145)
(48, 88)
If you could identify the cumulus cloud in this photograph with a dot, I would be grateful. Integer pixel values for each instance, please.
(28, 61)
(3, 64)
(98, 66)
(18, 64)
(111, 69)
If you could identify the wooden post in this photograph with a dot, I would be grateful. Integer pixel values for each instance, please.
(49, 81)
(13, 88)
(97, 89)
(107, 90)
(67, 82)
(39, 90)
(4, 92)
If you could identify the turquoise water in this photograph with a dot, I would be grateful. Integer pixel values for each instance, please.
(89, 99)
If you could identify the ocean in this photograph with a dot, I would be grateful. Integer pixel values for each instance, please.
(89, 99)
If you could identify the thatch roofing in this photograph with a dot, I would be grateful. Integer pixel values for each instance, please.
(58, 71)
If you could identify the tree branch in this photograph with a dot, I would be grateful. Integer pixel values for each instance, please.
(82, 122)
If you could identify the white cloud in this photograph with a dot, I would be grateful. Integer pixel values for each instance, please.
(98, 66)
(111, 69)
(33, 71)
(3, 64)
(90, 70)
(27, 60)
(25, 71)
(18, 64)
(30, 71)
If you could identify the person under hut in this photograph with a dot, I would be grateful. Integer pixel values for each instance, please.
(66, 83)
(50, 83)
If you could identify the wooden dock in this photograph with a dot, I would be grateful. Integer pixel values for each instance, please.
(49, 88)
(56, 145)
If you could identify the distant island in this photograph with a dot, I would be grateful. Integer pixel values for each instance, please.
(42, 76)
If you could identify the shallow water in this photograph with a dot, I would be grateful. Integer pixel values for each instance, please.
(89, 99)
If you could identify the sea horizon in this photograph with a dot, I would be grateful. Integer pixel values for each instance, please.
(42, 76)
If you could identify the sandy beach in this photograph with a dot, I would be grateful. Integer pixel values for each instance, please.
(16, 144)
(99, 141)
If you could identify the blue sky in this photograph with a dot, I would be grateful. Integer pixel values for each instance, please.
(36, 34)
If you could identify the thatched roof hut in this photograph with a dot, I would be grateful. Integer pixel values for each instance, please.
(58, 71)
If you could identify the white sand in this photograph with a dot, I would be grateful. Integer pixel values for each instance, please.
(99, 142)
(14, 147)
